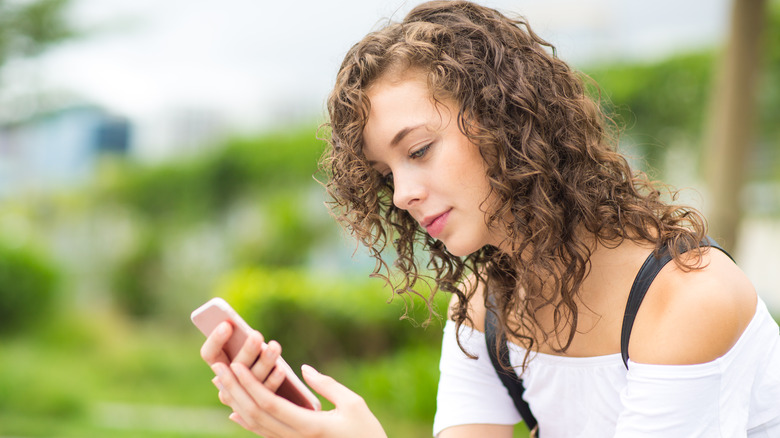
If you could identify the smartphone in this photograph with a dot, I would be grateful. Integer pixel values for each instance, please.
(216, 310)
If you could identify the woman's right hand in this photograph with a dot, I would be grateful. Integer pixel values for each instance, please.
(248, 385)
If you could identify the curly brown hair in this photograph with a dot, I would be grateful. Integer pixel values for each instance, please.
(551, 162)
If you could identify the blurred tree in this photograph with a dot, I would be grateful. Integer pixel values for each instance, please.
(29, 282)
(29, 27)
(137, 280)
(187, 191)
(732, 122)
(656, 104)
(255, 194)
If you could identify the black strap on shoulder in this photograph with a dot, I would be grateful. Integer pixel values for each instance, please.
(500, 359)
(647, 273)
(505, 371)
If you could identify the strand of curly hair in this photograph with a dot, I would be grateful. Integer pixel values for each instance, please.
(551, 162)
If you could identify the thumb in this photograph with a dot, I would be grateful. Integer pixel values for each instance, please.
(328, 387)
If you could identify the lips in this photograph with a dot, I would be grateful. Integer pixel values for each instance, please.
(434, 225)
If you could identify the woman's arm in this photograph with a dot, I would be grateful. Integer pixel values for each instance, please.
(470, 392)
(477, 430)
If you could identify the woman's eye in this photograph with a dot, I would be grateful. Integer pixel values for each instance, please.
(419, 153)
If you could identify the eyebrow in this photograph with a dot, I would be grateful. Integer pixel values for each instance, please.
(400, 136)
(403, 133)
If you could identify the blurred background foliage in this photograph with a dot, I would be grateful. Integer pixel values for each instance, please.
(665, 103)
(29, 282)
(354, 318)
(28, 28)
(96, 283)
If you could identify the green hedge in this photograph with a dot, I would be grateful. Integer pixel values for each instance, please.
(404, 384)
(202, 187)
(319, 320)
(28, 285)
(137, 280)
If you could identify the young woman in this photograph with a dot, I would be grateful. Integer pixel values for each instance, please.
(458, 131)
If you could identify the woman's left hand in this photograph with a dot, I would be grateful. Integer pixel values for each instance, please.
(257, 409)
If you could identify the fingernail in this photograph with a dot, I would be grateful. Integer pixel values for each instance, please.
(217, 368)
(306, 369)
(217, 383)
(237, 369)
(222, 328)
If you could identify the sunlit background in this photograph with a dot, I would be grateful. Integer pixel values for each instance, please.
(155, 154)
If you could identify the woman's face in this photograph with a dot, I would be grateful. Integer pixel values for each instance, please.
(438, 175)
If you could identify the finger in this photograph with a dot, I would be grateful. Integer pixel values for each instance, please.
(238, 420)
(251, 349)
(275, 379)
(225, 398)
(350, 405)
(282, 410)
(257, 418)
(212, 351)
(263, 368)
(217, 383)
(231, 392)
(329, 388)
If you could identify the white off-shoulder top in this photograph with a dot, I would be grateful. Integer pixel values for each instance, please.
(736, 395)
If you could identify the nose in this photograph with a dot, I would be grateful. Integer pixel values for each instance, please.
(409, 189)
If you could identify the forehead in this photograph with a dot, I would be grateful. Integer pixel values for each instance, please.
(396, 96)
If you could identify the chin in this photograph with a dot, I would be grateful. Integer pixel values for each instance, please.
(461, 249)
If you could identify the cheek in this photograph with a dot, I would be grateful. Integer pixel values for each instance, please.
(466, 162)
(473, 174)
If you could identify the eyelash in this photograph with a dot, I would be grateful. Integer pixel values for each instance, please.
(419, 153)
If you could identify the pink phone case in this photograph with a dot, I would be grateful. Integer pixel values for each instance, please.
(216, 310)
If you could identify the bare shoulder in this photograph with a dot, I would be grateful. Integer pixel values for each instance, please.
(476, 304)
(693, 316)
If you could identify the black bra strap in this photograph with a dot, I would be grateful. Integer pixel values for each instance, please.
(500, 358)
(644, 278)
(504, 369)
